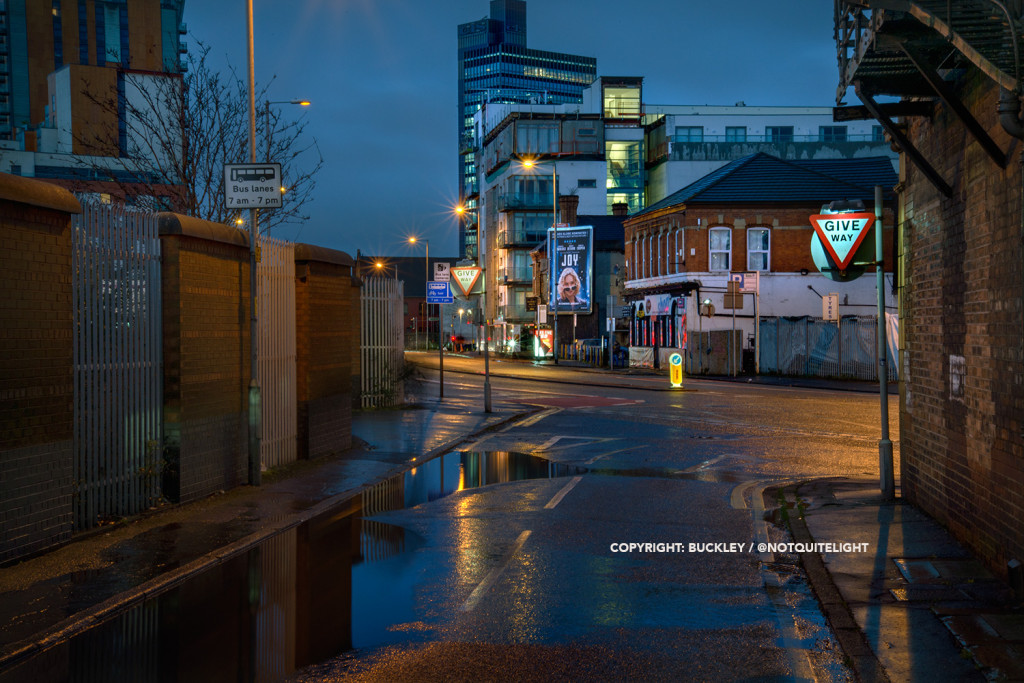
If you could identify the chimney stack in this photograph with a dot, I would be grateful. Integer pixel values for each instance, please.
(567, 207)
(620, 209)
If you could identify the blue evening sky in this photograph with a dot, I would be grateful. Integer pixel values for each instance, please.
(382, 78)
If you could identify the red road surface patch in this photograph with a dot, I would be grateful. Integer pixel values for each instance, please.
(580, 401)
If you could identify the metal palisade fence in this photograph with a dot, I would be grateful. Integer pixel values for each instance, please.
(117, 339)
(812, 347)
(382, 357)
(276, 371)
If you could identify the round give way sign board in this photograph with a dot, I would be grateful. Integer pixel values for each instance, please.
(841, 233)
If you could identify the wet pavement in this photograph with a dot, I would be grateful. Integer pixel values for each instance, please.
(920, 606)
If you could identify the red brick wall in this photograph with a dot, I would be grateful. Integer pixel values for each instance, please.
(790, 229)
(326, 346)
(205, 290)
(961, 432)
(36, 380)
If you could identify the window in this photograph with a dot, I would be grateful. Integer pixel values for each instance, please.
(679, 255)
(689, 134)
(587, 183)
(779, 133)
(758, 242)
(735, 133)
(877, 134)
(720, 244)
(832, 133)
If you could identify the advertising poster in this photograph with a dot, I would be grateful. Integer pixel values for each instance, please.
(573, 272)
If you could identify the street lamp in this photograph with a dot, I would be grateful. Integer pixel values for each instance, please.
(530, 163)
(461, 211)
(266, 112)
(426, 307)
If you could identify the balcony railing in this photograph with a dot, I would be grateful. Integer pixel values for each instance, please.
(860, 137)
(516, 313)
(519, 238)
(526, 200)
(516, 274)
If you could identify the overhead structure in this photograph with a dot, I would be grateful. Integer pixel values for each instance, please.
(913, 49)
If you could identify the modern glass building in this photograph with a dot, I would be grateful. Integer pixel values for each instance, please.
(496, 66)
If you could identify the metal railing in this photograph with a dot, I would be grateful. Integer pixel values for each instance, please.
(276, 370)
(516, 274)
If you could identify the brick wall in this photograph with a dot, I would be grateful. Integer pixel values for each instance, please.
(326, 349)
(789, 227)
(36, 382)
(205, 290)
(962, 400)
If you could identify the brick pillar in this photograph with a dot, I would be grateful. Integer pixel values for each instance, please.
(36, 373)
(205, 289)
(326, 349)
(567, 207)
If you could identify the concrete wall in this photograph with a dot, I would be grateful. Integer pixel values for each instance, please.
(962, 398)
(205, 281)
(36, 382)
(326, 332)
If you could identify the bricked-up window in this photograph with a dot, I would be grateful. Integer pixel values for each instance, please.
(758, 249)
(720, 248)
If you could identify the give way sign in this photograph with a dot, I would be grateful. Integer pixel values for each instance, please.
(841, 234)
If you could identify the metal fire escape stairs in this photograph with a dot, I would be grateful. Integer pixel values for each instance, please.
(913, 49)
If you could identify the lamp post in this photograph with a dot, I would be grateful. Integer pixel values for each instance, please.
(266, 112)
(529, 164)
(461, 210)
(426, 307)
(255, 405)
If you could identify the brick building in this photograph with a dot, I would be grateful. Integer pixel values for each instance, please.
(960, 254)
(751, 215)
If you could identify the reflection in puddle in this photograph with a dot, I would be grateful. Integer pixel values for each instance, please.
(457, 471)
(334, 583)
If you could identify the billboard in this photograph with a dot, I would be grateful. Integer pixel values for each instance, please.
(573, 269)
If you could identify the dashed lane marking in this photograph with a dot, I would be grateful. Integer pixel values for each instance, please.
(478, 593)
(561, 494)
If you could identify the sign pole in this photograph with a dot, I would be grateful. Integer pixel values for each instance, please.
(885, 464)
(487, 363)
(255, 402)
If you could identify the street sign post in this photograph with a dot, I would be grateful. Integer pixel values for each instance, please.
(675, 370)
(253, 186)
(466, 277)
(442, 271)
(439, 293)
(841, 234)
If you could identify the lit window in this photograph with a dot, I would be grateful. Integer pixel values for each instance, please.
(758, 242)
(720, 244)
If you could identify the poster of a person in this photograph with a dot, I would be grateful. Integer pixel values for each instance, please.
(570, 289)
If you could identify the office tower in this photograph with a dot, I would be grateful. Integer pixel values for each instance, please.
(496, 66)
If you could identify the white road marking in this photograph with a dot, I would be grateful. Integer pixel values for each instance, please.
(533, 419)
(549, 445)
(703, 465)
(474, 598)
(605, 455)
(561, 494)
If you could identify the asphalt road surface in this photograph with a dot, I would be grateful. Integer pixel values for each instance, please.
(645, 554)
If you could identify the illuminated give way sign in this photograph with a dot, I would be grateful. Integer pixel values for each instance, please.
(253, 186)
(841, 234)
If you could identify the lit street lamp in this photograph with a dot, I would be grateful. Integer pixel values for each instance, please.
(266, 112)
(530, 164)
(426, 307)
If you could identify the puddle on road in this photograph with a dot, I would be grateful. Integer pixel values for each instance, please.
(327, 586)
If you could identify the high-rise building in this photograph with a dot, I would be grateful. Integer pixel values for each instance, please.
(496, 66)
(61, 62)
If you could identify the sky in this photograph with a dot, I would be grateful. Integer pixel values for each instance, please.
(382, 79)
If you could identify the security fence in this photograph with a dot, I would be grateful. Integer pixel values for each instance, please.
(382, 357)
(811, 347)
(118, 373)
(276, 345)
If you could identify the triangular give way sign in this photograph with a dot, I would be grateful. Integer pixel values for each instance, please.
(465, 277)
(841, 234)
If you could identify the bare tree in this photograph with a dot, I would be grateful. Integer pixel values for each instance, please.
(175, 133)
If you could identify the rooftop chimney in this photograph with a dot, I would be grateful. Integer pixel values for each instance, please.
(620, 209)
(567, 206)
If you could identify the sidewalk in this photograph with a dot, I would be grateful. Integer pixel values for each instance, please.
(916, 606)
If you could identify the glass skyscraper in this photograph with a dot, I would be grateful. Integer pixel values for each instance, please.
(495, 65)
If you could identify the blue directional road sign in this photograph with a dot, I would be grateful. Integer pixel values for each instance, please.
(439, 293)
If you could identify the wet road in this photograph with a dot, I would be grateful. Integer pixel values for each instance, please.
(535, 579)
